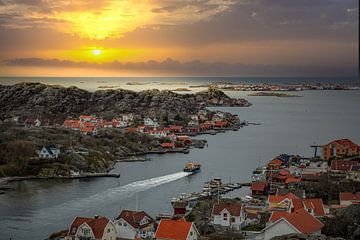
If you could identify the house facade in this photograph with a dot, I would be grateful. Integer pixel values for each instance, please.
(97, 228)
(299, 221)
(340, 148)
(49, 152)
(132, 224)
(228, 215)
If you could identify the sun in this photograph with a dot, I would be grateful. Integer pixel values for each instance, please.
(96, 51)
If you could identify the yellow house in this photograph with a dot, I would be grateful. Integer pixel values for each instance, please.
(340, 148)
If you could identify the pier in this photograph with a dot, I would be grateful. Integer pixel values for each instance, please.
(222, 189)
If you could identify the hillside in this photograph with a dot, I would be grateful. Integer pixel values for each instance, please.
(57, 102)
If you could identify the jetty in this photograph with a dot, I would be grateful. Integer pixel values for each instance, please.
(222, 189)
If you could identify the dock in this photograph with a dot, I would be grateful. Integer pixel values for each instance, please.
(213, 192)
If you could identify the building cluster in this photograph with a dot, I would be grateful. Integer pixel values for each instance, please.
(130, 225)
(89, 125)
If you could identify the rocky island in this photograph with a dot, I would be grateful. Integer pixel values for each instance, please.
(35, 115)
(272, 94)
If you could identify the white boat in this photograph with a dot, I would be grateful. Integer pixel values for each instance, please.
(246, 198)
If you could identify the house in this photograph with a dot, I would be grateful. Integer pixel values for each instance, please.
(175, 128)
(157, 133)
(228, 215)
(282, 202)
(97, 228)
(32, 123)
(176, 230)
(192, 123)
(340, 148)
(88, 130)
(180, 207)
(349, 198)
(258, 188)
(185, 139)
(300, 222)
(342, 166)
(354, 173)
(148, 122)
(314, 206)
(49, 151)
(86, 118)
(168, 145)
(133, 224)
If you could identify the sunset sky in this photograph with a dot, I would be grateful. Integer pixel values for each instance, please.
(178, 37)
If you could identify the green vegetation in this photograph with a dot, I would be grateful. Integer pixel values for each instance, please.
(79, 153)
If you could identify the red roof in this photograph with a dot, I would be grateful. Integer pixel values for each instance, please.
(280, 198)
(297, 204)
(173, 229)
(97, 225)
(316, 204)
(233, 208)
(303, 221)
(175, 127)
(292, 180)
(349, 196)
(87, 129)
(345, 142)
(134, 218)
(258, 186)
(342, 165)
(84, 116)
(276, 162)
(168, 145)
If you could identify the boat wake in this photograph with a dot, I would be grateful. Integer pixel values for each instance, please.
(109, 196)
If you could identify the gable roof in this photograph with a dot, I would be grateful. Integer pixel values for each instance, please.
(345, 143)
(134, 218)
(280, 198)
(97, 225)
(50, 148)
(300, 220)
(316, 204)
(349, 196)
(233, 208)
(173, 229)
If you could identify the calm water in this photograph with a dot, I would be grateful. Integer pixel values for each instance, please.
(289, 125)
(171, 83)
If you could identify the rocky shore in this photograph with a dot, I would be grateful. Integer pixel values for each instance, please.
(56, 102)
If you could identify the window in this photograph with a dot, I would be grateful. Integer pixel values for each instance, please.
(225, 216)
(108, 230)
(233, 219)
(191, 233)
(86, 231)
(125, 224)
(73, 230)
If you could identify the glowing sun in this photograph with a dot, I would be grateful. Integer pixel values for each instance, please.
(96, 51)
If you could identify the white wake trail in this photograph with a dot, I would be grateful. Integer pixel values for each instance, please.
(108, 196)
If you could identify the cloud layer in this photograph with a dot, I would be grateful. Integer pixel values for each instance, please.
(191, 68)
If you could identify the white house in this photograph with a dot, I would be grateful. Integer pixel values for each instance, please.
(49, 151)
(132, 224)
(176, 229)
(300, 221)
(157, 133)
(193, 123)
(228, 215)
(97, 228)
(148, 122)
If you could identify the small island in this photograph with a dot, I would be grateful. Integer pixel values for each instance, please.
(272, 94)
(181, 90)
